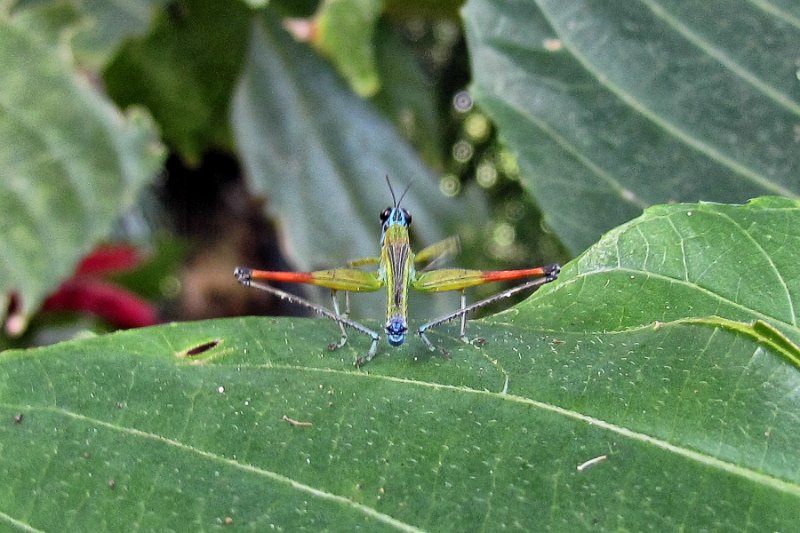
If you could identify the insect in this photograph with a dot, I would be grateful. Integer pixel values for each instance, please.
(397, 272)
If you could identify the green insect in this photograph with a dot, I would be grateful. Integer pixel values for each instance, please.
(397, 272)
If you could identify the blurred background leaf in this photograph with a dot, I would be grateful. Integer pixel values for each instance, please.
(408, 96)
(102, 28)
(70, 161)
(184, 71)
(613, 106)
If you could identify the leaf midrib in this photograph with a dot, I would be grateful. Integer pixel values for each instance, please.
(17, 524)
(692, 455)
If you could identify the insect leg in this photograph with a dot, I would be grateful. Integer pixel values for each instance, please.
(438, 252)
(246, 276)
(550, 273)
(343, 338)
(463, 330)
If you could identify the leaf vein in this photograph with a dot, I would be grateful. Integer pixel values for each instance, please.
(662, 277)
(689, 140)
(624, 193)
(769, 260)
(274, 476)
(768, 7)
(743, 73)
(17, 524)
(747, 473)
(709, 460)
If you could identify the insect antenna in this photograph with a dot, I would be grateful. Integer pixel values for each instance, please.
(403, 195)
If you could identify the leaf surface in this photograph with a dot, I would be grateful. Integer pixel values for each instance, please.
(107, 24)
(641, 413)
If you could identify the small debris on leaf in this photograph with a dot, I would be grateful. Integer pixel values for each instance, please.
(591, 462)
(296, 423)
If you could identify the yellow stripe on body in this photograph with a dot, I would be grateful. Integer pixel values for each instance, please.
(396, 264)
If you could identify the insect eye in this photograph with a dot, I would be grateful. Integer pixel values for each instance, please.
(407, 216)
(385, 214)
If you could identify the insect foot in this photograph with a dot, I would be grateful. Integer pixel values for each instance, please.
(243, 275)
(551, 272)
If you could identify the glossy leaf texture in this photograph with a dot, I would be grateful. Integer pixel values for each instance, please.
(320, 155)
(614, 106)
(601, 402)
(70, 162)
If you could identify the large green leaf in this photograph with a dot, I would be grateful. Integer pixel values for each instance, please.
(614, 106)
(596, 404)
(320, 154)
(689, 260)
(69, 161)
(703, 299)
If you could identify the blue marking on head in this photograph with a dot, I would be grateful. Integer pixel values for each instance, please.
(395, 214)
(396, 331)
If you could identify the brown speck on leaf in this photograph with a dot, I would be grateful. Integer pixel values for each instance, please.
(18, 418)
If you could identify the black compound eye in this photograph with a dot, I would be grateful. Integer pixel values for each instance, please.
(385, 214)
(407, 216)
